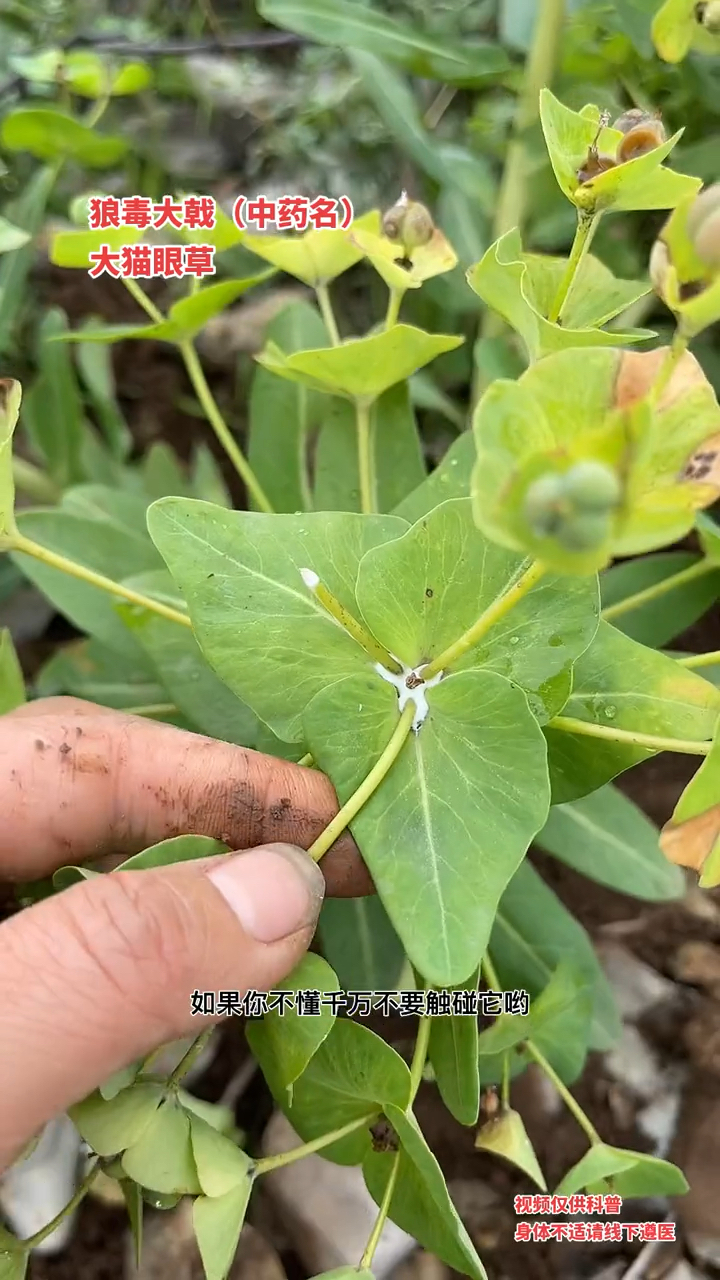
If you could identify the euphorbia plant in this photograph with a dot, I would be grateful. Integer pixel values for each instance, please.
(435, 645)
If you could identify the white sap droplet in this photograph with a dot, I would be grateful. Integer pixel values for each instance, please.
(310, 578)
(418, 695)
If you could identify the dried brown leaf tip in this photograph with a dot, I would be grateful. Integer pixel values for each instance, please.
(690, 843)
(637, 371)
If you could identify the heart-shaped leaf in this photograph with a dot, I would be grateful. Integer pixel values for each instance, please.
(50, 135)
(630, 1174)
(221, 1165)
(162, 1157)
(478, 743)
(623, 685)
(260, 628)
(414, 601)
(505, 1136)
(111, 1126)
(420, 1203)
(316, 257)
(217, 1223)
(522, 286)
(284, 1044)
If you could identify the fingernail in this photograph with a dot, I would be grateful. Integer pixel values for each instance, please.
(274, 890)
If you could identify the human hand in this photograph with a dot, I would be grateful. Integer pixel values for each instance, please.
(100, 975)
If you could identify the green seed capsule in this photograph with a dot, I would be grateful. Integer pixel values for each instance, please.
(543, 507)
(409, 223)
(584, 532)
(592, 487)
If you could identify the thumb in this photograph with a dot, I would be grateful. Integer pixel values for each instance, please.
(103, 973)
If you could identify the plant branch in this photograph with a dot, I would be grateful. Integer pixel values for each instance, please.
(323, 296)
(27, 547)
(701, 660)
(367, 787)
(648, 741)
(33, 1241)
(486, 621)
(148, 306)
(348, 622)
(393, 308)
(586, 228)
(222, 431)
(573, 1107)
(189, 1059)
(658, 589)
(268, 1163)
(373, 1242)
(366, 461)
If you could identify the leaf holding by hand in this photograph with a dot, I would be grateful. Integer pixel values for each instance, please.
(421, 1203)
(161, 1159)
(110, 1125)
(422, 591)
(284, 1044)
(453, 818)
(260, 628)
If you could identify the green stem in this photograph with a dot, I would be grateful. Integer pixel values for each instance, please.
(420, 1055)
(189, 1059)
(152, 709)
(366, 461)
(140, 296)
(488, 619)
(648, 741)
(349, 623)
(573, 1107)
(29, 548)
(268, 1163)
(586, 228)
(658, 589)
(222, 431)
(393, 307)
(673, 356)
(367, 787)
(505, 1084)
(37, 484)
(323, 296)
(373, 1242)
(701, 660)
(33, 1241)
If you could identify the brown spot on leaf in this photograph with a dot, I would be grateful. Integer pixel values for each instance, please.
(704, 465)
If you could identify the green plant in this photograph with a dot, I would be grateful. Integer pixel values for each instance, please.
(440, 645)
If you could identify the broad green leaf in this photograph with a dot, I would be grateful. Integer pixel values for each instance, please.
(97, 545)
(27, 212)
(630, 1174)
(607, 838)
(353, 26)
(353, 1074)
(13, 1266)
(260, 628)
(620, 684)
(162, 1157)
(558, 1023)
(478, 744)
(284, 1045)
(361, 368)
(112, 1125)
(658, 621)
(120, 1080)
(10, 396)
(283, 415)
(692, 836)
(361, 944)
(176, 657)
(217, 1223)
(396, 445)
(12, 681)
(72, 248)
(50, 135)
(88, 670)
(11, 237)
(506, 1136)
(450, 479)
(453, 1053)
(221, 1165)
(96, 371)
(53, 411)
(175, 849)
(532, 933)
(521, 287)
(315, 257)
(421, 1204)
(421, 592)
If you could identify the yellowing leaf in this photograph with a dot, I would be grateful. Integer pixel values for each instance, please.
(315, 257)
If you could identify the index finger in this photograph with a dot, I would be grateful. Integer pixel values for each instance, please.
(79, 781)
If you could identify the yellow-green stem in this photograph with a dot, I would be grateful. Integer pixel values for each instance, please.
(268, 1163)
(367, 787)
(486, 621)
(326, 310)
(27, 547)
(373, 1242)
(189, 1059)
(393, 307)
(138, 293)
(648, 741)
(673, 356)
(366, 461)
(573, 1107)
(152, 709)
(711, 659)
(657, 590)
(33, 1241)
(222, 431)
(586, 228)
(349, 623)
(420, 1055)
